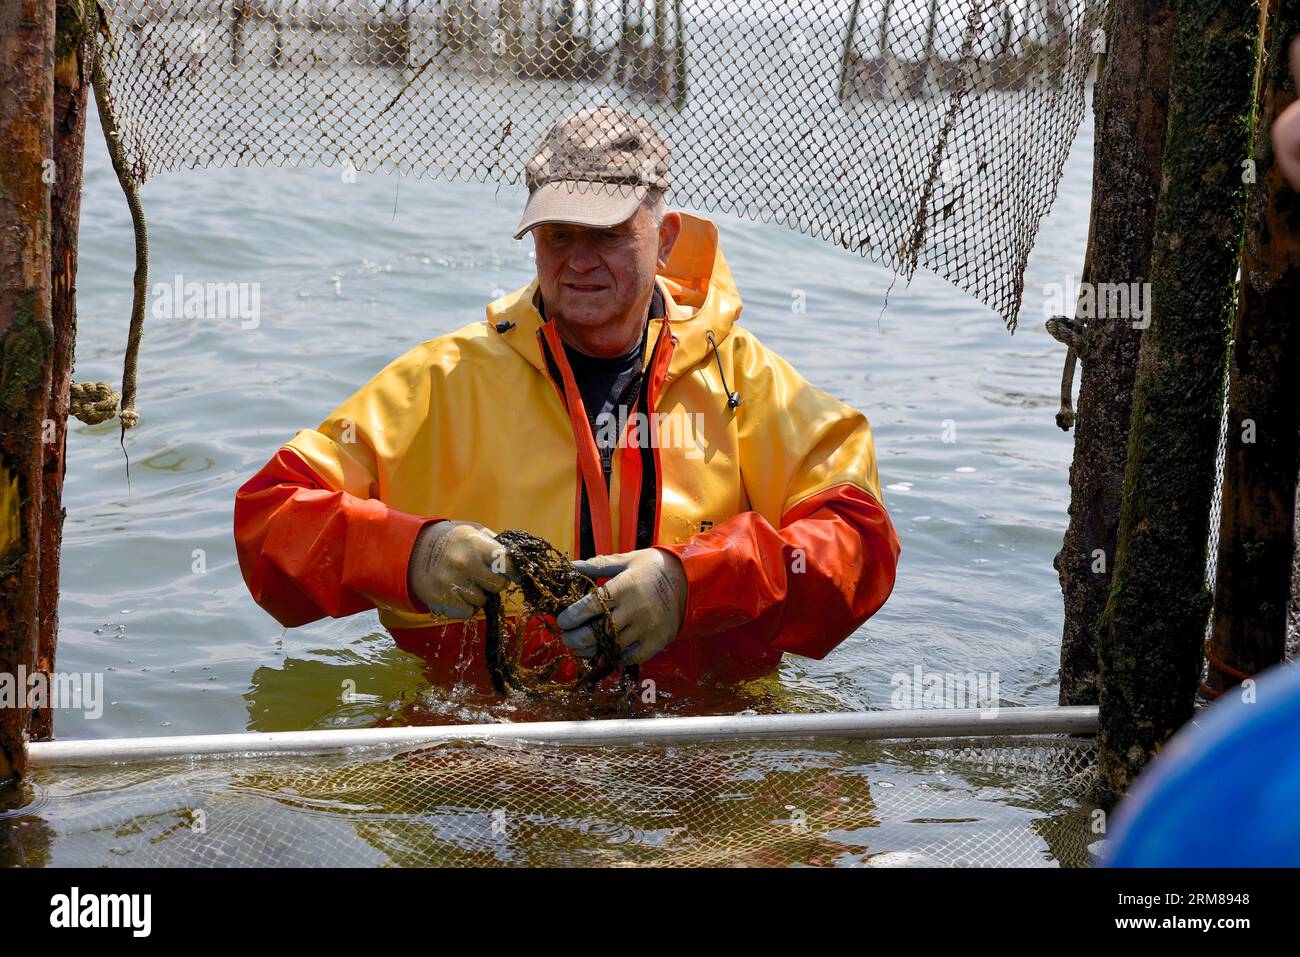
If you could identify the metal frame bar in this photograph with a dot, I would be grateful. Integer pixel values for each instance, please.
(939, 723)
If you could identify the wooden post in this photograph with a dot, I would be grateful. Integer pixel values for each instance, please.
(27, 30)
(679, 59)
(846, 58)
(624, 45)
(1152, 630)
(509, 20)
(566, 48)
(932, 24)
(407, 39)
(1256, 534)
(918, 83)
(1128, 150)
(238, 18)
(74, 49)
(661, 74)
(882, 39)
(277, 48)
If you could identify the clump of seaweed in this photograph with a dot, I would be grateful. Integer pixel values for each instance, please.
(549, 584)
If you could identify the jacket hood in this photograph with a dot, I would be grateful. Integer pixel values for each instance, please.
(699, 293)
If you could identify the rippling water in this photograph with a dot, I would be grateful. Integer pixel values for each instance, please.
(353, 274)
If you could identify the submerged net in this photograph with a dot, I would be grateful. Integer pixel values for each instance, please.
(917, 132)
(987, 802)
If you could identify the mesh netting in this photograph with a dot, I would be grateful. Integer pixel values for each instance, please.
(1216, 509)
(989, 802)
(1212, 548)
(916, 132)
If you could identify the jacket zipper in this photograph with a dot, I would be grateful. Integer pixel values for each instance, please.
(580, 427)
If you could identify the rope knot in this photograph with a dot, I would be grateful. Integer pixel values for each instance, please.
(96, 402)
(93, 402)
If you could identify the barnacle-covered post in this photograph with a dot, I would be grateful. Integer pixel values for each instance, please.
(27, 45)
(74, 49)
(1154, 623)
(1128, 148)
(1262, 454)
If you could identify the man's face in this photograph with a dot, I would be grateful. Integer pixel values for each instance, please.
(594, 279)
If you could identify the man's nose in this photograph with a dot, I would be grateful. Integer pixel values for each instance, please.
(584, 257)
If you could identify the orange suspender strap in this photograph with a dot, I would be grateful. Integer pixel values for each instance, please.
(629, 494)
(630, 481)
(658, 377)
(552, 374)
(593, 475)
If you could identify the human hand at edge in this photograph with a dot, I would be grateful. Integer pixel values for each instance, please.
(1286, 128)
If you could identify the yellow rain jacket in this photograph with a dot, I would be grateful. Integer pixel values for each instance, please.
(772, 504)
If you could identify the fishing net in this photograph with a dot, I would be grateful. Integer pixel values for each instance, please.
(1292, 646)
(987, 802)
(1216, 509)
(917, 132)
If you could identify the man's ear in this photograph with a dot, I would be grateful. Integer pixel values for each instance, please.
(669, 230)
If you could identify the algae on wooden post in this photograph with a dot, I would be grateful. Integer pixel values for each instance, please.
(1150, 637)
(27, 32)
(1128, 150)
(75, 20)
(1256, 538)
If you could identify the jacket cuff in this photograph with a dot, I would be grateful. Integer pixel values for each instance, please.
(378, 555)
(709, 574)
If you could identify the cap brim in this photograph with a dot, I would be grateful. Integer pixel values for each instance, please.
(581, 204)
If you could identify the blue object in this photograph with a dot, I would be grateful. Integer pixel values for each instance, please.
(1225, 791)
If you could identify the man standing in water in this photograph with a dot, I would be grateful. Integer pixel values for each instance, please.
(613, 407)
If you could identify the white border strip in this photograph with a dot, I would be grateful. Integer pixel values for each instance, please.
(939, 723)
